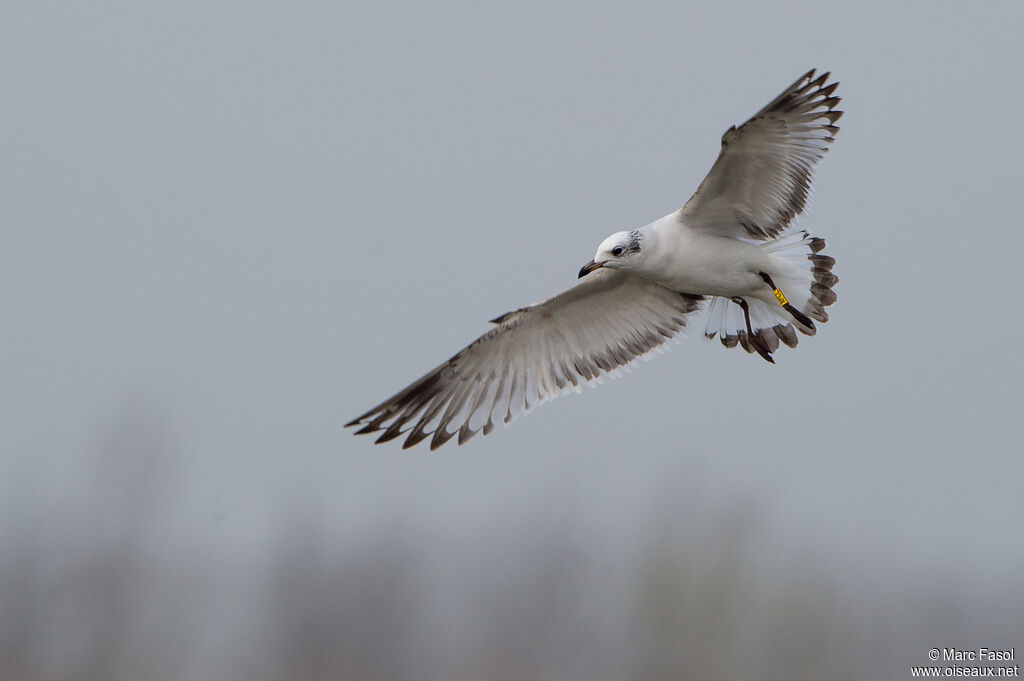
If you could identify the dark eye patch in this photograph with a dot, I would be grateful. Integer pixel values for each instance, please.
(617, 251)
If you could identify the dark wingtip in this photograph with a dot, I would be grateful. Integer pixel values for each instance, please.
(415, 437)
(465, 434)
(441, 436)
(829, 89)
(389, 434)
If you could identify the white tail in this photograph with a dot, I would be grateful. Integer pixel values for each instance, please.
(807, 280)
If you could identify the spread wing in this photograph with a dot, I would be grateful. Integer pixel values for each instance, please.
(534, 354)
(762, 177)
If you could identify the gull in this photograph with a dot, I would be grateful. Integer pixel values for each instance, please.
(731, 247)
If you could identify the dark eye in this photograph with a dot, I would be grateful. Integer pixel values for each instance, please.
(617, 251)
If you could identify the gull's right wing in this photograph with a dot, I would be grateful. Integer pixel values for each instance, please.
(534, 354)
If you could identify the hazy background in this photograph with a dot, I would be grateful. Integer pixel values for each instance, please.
(228, 228)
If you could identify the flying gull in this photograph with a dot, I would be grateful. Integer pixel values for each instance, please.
(730, 247)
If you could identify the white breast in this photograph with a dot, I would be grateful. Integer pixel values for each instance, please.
(696, 262)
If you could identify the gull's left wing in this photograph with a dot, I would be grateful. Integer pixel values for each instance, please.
(762, 177)
(534, 354)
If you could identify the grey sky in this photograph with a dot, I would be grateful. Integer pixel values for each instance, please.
(247, 223)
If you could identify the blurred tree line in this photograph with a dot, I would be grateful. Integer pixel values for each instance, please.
(94, 592)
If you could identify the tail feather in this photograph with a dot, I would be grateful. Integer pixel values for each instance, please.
(804, 276)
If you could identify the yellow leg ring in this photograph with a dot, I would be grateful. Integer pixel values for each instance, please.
(781, 298)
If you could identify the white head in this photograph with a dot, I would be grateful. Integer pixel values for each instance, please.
(620, 251)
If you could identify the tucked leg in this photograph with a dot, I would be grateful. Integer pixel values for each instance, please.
(786, 305)
(754, 341)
